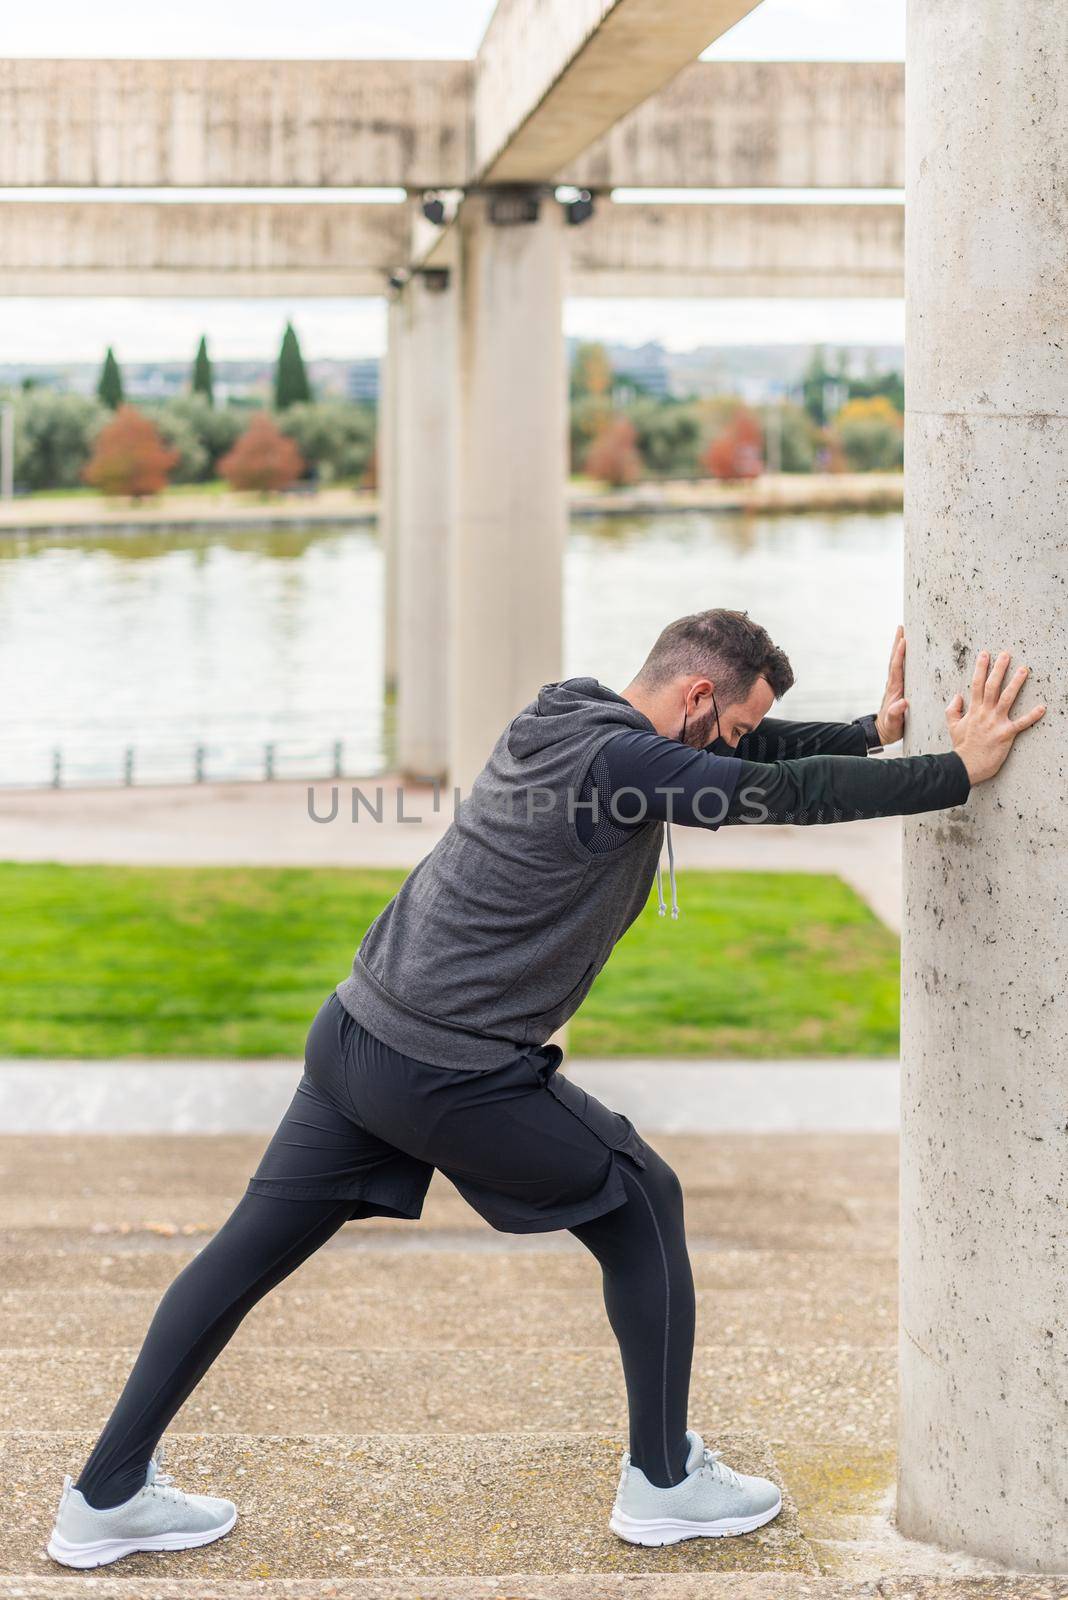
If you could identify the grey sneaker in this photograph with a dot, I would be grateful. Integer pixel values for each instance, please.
(711, 1502)
(158, 1517)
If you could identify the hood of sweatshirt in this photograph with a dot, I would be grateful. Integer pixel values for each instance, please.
(566, 710)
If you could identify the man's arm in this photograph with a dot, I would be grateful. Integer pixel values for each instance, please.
(788, 741)
(660, 778)
(774, 740)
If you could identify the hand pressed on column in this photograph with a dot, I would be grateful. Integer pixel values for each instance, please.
(984, 734)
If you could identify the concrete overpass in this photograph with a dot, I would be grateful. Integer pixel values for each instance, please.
(604, 92)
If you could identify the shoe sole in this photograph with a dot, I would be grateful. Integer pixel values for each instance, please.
(103, 1551)
(654, 1531)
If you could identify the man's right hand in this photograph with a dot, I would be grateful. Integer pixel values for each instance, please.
(983, 735)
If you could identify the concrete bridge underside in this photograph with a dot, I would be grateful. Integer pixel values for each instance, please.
(327, 248)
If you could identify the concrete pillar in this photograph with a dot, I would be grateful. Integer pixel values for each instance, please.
(506, 571)
(984, 1262)
(424, 513)
(386, 446)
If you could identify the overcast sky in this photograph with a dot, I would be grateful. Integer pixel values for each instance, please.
(872, 30)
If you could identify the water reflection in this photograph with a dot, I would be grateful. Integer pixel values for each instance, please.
(239, 636)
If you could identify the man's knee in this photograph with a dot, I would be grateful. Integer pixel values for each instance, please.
(663, 1185)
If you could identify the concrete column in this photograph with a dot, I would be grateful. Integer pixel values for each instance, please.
(387, 493)
(505, 588)
(984, 1257)
(425, 468)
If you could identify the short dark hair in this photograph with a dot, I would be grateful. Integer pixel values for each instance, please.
(733, 650)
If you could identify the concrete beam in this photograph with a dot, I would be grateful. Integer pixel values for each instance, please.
(156, 248)
(738, 250)
(755, 124)
(226, 124)
(552, 76)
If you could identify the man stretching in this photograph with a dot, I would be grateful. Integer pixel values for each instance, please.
(433, 1052)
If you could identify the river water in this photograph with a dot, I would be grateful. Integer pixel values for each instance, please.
(239, 638)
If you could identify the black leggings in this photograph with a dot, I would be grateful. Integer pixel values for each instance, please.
(648, 1291)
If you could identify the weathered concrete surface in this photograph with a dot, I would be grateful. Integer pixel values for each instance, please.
(559, 1586)
(756, 124)
(738, 250)
(442, 1297)
(795, 1346)
(386, 465)
(164, 248)
(744, 1191)
(323, 248)
(985, 956)
(318, 124)
(831, 1395)
(396, 1504)
(505, 589)
(553, 75)
(234, 124)
(424, 328)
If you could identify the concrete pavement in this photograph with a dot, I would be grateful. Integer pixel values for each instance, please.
(436, 1409)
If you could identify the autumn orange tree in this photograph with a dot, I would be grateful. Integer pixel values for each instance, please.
(129, 457)
(264, 458)
(613, 457)
(736, 452)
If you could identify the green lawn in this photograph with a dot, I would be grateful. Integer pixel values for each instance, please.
(119, 961)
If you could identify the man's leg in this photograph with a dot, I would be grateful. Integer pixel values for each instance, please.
(264, 1239)
(649, 1296)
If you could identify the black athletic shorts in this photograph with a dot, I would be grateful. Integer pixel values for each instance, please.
(529, 1150)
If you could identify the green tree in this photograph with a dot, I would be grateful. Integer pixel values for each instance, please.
(201, 432)
(203, 382)
(890, 384)
(797, 434)
(335, 437)
(109, 388)
(191, 464)
(668, 435)
(54, 436)
(290, 379)
(871, 435)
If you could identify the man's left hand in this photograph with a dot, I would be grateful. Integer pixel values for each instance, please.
(890, 718)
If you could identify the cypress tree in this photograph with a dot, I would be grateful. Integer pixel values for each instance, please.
(202, 375)
(290, 378)
(109, 388)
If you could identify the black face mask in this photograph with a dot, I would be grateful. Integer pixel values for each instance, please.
(720, 747)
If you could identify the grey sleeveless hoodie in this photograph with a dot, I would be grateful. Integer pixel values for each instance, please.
(495, 938)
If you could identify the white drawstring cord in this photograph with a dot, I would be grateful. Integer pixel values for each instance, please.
(671, 874)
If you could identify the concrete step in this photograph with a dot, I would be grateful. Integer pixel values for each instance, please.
(435, 1262)
(733, 1221)
(835, 1394)
(785, 1191)
(391, 1298)
(393, 1507)
(559, 1586)
(830, 1163)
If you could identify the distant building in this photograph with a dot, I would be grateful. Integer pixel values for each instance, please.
(362, 380)
(643, 368)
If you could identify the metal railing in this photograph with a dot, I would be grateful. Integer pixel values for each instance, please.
(201, 762)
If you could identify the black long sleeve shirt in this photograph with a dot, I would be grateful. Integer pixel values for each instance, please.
(803, 773)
